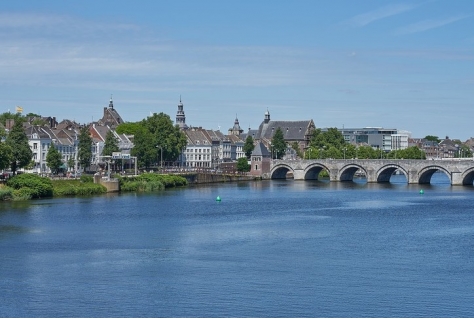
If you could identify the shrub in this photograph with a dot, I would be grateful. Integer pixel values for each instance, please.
(6, 193)
(34, 185)
(75, 187)
(150, 182)
(87, 179)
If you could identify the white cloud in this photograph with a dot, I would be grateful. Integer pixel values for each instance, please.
(429, 24)
(378, 14)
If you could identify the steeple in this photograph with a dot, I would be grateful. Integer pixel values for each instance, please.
(235, 130)
(267, 116)
(180, 117)
(111, 103)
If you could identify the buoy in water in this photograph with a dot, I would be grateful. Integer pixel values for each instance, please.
(218, 199)
(421, 191)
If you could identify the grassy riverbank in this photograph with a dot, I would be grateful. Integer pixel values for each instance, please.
(31, 186)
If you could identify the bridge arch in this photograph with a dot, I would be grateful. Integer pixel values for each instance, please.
(312, 171)
(347, 172)
(424, 175)
(385, 172)
(468, 177)
(280, 171)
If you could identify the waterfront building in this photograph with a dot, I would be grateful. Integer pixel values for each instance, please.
(293, 131)
(260, 161)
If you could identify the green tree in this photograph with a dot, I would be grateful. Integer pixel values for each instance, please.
(412, 152)
(18, 141)
(6, 155)
(432, 138)
(71, 162)
(278, 147)
(129, 128)
(156, 138)
(17, 117)
(84, 153)
(110, 144)
(332, 137)
(243, 165)
(297, 149)
(248, 146)
(464, 151)
(367, 152)
(53, 159)
(144, 148)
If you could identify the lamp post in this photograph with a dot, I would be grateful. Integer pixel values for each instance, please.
(345, 152)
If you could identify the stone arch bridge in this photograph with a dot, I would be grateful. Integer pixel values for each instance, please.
(460, 172)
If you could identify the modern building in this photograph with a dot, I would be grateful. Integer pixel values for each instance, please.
(376, 137)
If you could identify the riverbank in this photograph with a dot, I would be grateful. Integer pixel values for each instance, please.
(32, 186)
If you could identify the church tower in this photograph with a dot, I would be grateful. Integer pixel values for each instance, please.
(235, 130)
(267, 117)
(180, 117)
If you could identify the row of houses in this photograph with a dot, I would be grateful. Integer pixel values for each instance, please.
(212, 149)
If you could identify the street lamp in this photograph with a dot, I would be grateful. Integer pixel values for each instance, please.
(345, 152)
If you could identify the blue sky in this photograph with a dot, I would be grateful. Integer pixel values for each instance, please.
(394, 64)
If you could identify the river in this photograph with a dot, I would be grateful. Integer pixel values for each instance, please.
(268, 249)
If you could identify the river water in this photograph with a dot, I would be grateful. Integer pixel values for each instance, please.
(268, 249)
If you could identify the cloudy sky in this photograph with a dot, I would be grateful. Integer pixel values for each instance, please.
(407, 65)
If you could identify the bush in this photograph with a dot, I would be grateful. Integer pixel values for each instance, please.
(86, 179)
(75, 187)
(150, 182)
(32, 185)
(6, 193)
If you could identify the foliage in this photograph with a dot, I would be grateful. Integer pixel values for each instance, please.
(332, 137)
(296, 147)
(21, 152)
(412, 152)
(6, 193)
(248, 146)
(70, 162)
(110, 144)
(31, 185)
(432, 138)
(86, 179)
(54, 159)
(32, 115)
(278, 146)
(157, 136)
(76, 187)
(464, 151)
(17, 117)
(143, 149)
(150, 182)
(85, 148)
(6, 155)
(129, 128)
(243, 165)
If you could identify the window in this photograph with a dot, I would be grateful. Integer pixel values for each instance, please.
(35, 146)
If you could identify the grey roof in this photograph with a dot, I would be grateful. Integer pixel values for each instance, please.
(260, 150)
(197, 137)
(292, 130)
